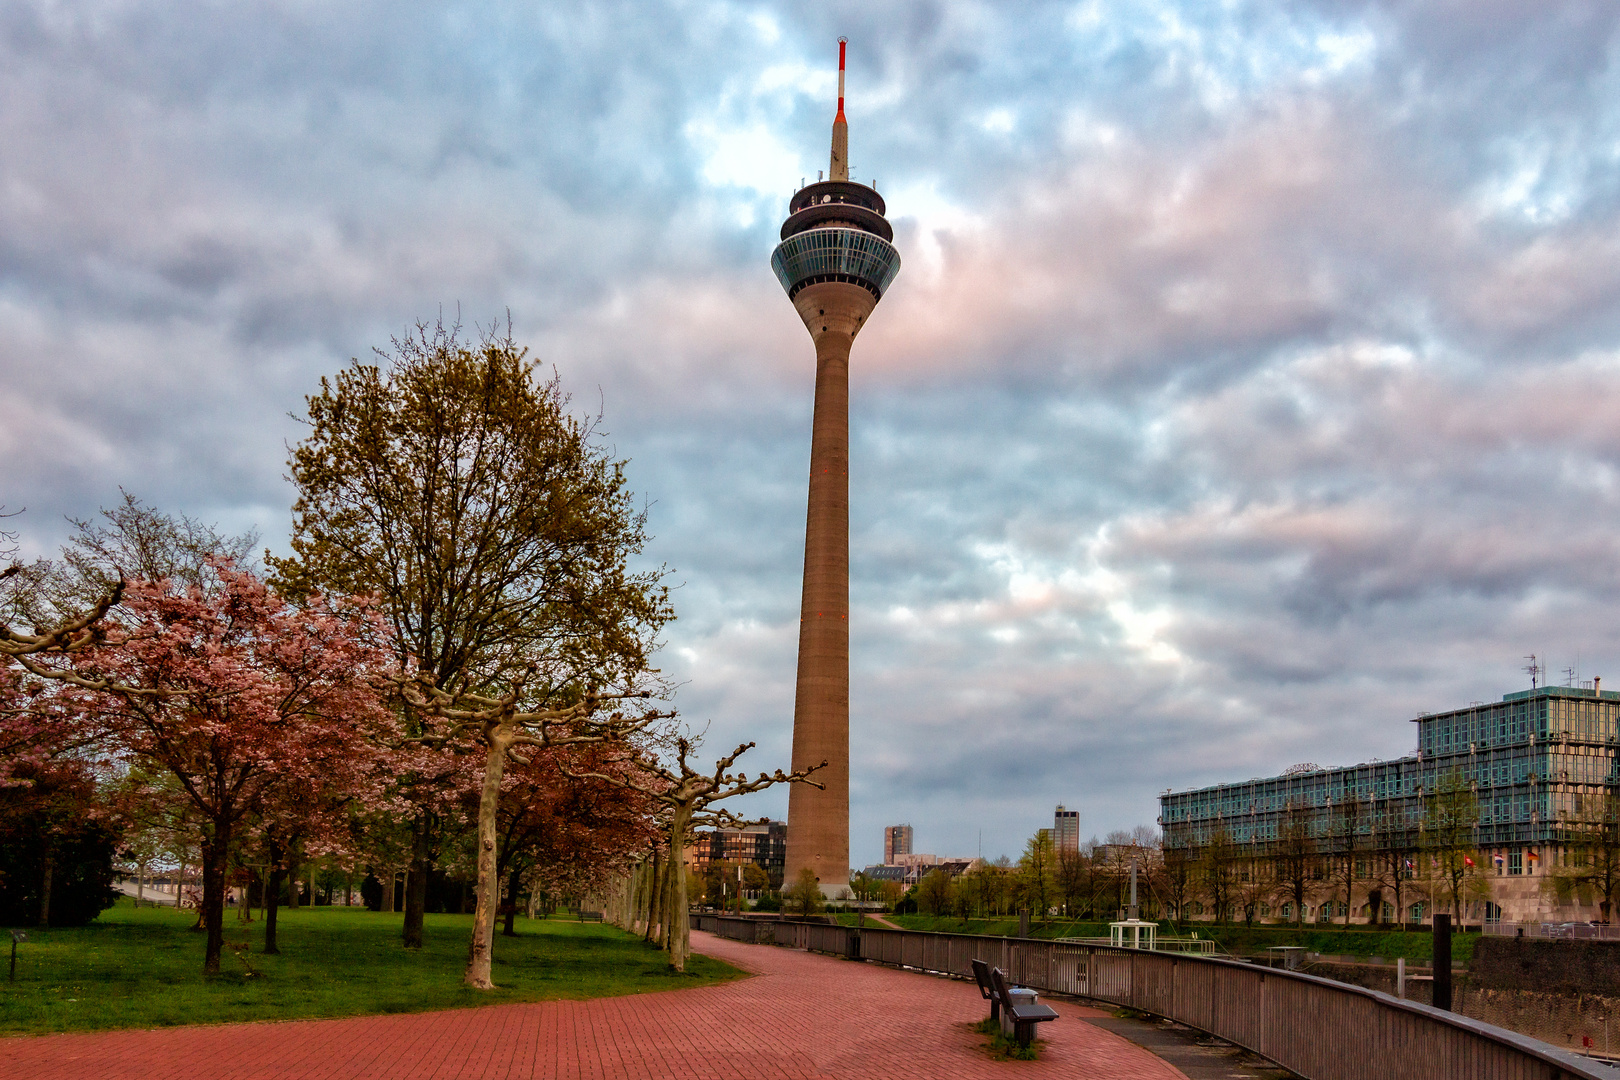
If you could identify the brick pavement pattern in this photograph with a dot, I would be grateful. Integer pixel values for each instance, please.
(801, 1017)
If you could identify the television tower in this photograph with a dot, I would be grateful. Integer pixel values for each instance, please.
(835, 260)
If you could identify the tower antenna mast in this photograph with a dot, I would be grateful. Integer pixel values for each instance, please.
(839, 169)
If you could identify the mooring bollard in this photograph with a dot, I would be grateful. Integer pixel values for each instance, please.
(1442, 962)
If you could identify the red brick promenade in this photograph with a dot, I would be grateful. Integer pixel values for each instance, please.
(801, 1016)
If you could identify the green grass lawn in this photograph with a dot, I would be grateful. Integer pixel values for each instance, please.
(143, 968)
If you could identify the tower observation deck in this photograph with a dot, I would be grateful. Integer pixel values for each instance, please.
(836, 260)
(836, 231)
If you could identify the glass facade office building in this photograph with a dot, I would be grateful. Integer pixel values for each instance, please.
(1536, 762)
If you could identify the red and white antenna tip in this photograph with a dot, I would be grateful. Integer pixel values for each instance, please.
(841, 44)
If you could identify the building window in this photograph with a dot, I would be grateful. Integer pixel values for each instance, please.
(1416, 912)
(1515, 862)
(1287, 911)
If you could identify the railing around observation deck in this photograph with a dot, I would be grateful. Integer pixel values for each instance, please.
(1318, 1028)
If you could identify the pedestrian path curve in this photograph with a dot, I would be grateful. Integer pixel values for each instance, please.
(800, 1017)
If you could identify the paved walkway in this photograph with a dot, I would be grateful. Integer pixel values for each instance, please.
(802, 1017)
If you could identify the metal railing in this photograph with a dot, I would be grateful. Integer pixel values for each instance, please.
(1567, 931)
(1318, 1028)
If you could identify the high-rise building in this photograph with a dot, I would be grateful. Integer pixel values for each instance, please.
(763, 843)
(835, 260)
(1066, 829)
(896, 841)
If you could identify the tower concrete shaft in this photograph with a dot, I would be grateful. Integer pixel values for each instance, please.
(835, 259)
(818, 820)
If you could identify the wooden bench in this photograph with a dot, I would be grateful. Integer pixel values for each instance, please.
(1020, 1018)
(590, 916)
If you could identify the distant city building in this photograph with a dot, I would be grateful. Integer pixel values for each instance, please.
(1120, 855)
(764, 845)
(917, 867)
(1066, 830)
(896, 841)
(1521, 785)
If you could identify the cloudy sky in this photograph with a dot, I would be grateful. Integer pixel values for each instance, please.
(1252, 382)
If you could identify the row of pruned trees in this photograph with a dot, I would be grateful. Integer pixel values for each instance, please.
(651, 896)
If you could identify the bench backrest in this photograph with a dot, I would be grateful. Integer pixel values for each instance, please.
(998, 987)
(981, 972)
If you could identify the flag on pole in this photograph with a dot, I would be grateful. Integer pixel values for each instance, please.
(1497, 859)
(1534, 857)
(1467, 861)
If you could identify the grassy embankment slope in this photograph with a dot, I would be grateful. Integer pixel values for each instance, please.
(143, 968)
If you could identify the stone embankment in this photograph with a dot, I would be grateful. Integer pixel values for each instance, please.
(1566, 993)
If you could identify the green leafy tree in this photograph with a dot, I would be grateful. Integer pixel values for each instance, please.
(1450, 813)
(1218, 866)
(1348, 823)
(934, 893)
(454, 483)
(1593, 853)
(804, 896)
(863, 886)
(1036, 873)
(1072, 878)
(1295, 857)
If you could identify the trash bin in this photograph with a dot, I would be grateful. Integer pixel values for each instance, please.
(1021, 996)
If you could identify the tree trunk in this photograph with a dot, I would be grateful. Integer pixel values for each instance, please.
(489, 883)
(654, 904)
(47, 874)
(416, 878)
(292, 876)
(272, 900)
(677, 929)
(513, 882)
(215, 849)
(140, 884)
(1400, 877)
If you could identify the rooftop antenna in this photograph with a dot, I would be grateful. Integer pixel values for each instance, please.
(1534, 669)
